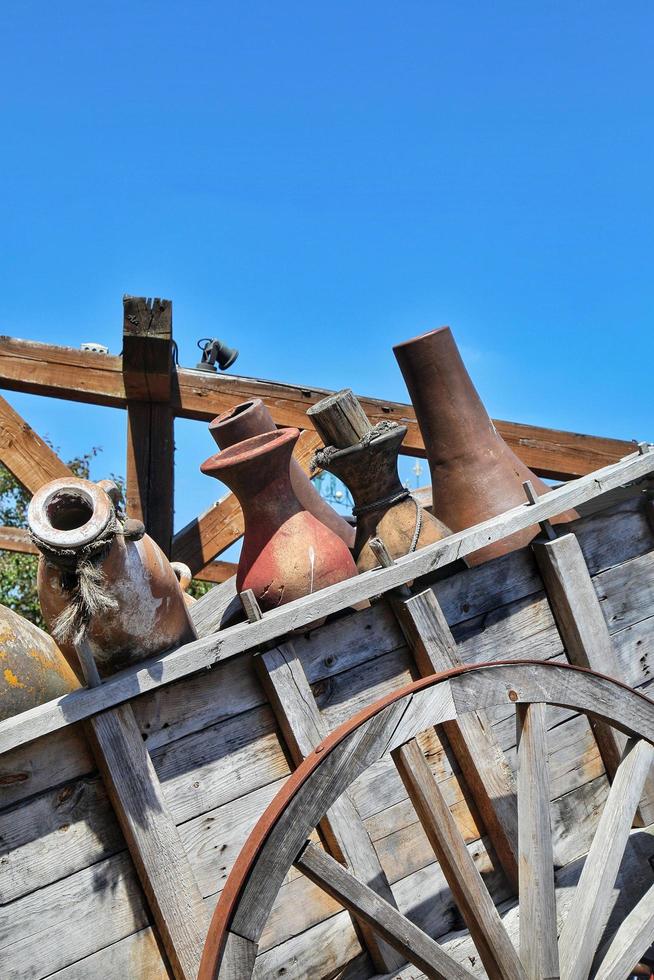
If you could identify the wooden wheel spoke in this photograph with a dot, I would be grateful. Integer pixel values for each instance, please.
(591, 905)
(409, 940)
(538, 933)
(635, 935)
(477, 907)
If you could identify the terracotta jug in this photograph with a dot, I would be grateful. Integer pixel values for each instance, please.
(102, 579)
(32, 668)
(475, 476)
(365, 459)
(287, 552)
(252, 418)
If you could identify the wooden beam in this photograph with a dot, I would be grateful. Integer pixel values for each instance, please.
(62, 372)
(147, 375)
(236, 639)
(17, 539)
(152, 837)
(634, 935)
(25, 454)
(215, 571)
(207, 536)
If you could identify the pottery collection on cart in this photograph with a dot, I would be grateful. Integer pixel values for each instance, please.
(103, 579)
(287, 552)
(474, 474)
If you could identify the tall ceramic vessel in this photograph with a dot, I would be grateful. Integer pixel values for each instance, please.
(103, 579)
(32, 668)
(365, 459)
(475, 476)
(287, 553)
(252, 418)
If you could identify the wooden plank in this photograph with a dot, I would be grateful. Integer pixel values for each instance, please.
(482, 762)
(292, 700)
(152, 837)
(207, 536)
(137, 957)
(586, 638)
(591, 906)
(209, 650)
(63, 372)
(17, 539)
(147, 374)
(25, 454)
(215, 571)
(410, 941)
(539, 950)
(632, 939)
(493, 944)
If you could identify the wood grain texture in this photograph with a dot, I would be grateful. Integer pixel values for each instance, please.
(25, 454)
(17, 539)
(482, 762)
(632, 939)
(410, 941)
(591, 906)
(342, 829)
(539, 950)
(152, 837)
(477, 907)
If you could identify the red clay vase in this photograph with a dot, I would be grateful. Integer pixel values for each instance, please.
(475, 476)
(252, 418)
(287, 553)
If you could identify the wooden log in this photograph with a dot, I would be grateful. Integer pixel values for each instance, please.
(147, 374)
(25, 454)
(495, 948)
(297, 714)
(539, 951)
(591, 906)
(151, 836)
(339, 419)
(482, 761)
(62, 372)
(410, 941)
(586, 638)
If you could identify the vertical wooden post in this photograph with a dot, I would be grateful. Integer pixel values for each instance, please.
(147, 373)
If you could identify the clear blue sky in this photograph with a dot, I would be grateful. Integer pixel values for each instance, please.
(314, 182)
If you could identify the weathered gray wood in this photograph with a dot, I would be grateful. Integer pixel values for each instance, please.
(250, 605)
(301, 612)
(633, 938)
(137, 957)
(362, 901)
(238, 958)
(476, 905)
(586, 637)
(339, 419)
(591, 907)
(482, 761)
(152, 837)
(298, 717)
(216, 608)
(538, 930)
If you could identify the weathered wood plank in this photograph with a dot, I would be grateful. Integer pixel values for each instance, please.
(151, 835)
(238, 958)
(137, 957)
(631, 941)
(17, 539)
(207, 651)
(476, 905)
(591, 907)
(362, 901)
(538, 930)
(481, 760)
(298, 717)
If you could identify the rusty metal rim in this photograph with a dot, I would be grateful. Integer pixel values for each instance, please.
(238, 876)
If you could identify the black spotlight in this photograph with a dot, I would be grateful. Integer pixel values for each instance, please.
(215, 352)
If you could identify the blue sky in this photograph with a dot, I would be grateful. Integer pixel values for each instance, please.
(315, 182)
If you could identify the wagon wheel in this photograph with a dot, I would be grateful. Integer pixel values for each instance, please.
(279, 839)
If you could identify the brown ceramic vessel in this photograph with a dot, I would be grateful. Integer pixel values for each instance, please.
(252, 418)
(141, 608)
(287, 552)
(475, 476)
(33, 669)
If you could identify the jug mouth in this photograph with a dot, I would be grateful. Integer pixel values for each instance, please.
(248, 449)
(69, 513)
(243, 408)
(422, 336)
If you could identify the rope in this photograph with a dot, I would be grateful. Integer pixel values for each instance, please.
(322, 457)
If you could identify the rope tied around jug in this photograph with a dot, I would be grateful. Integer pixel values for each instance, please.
(82, 577)
(321, 457)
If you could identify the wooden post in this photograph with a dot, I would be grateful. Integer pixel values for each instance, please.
(147, 375)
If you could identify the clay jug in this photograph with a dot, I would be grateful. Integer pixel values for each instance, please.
(32, 668)
(287, 553)
(102, 579)
(475, 476)
(365, 459)
(252, 418)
